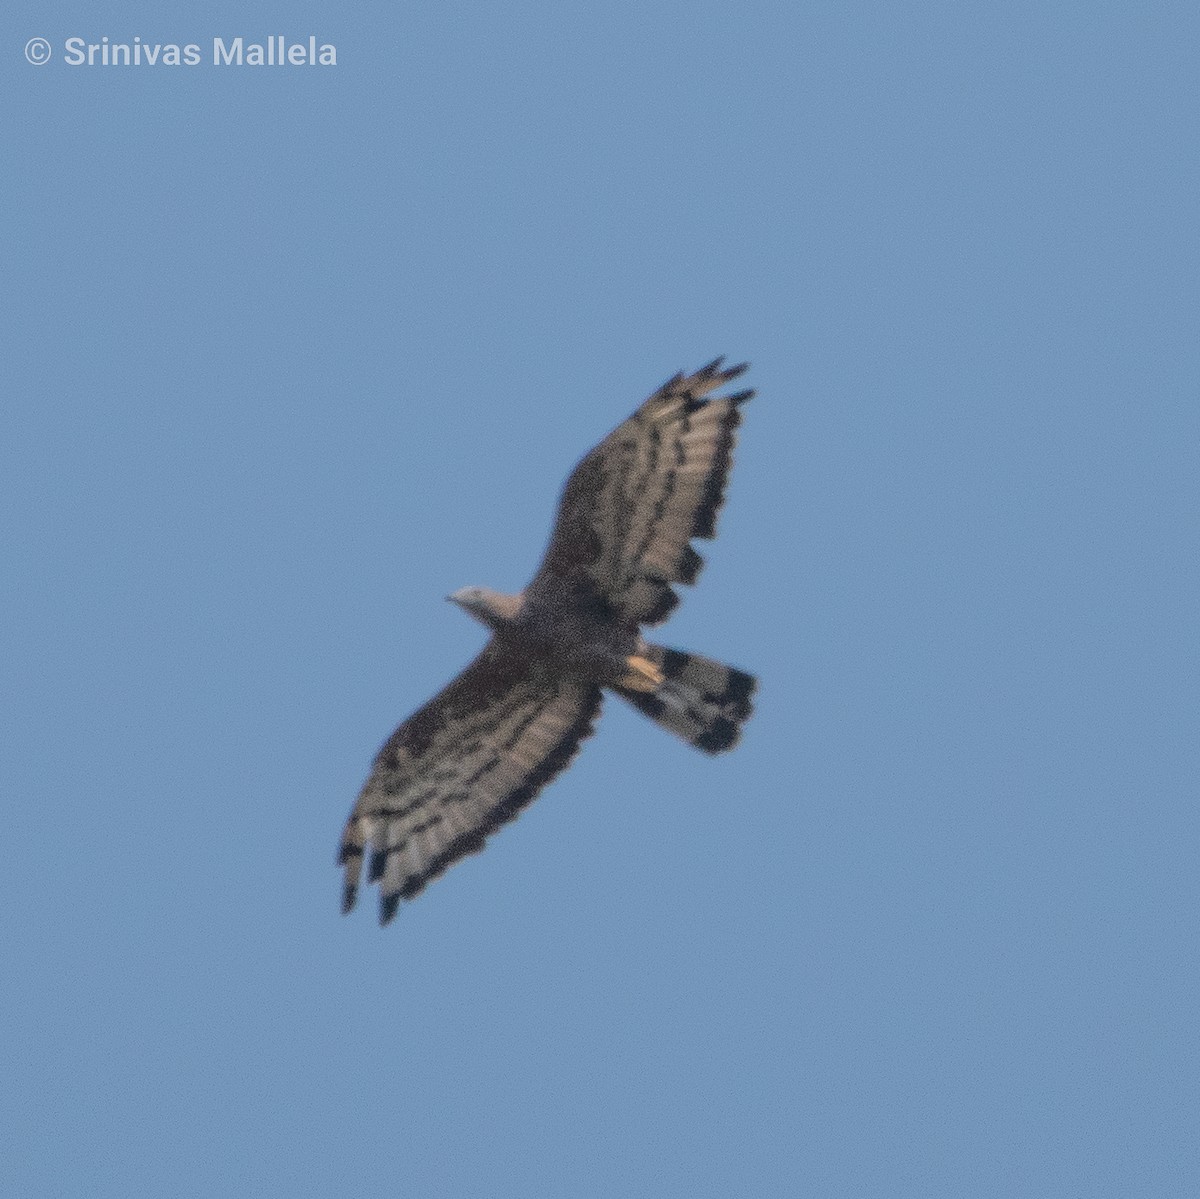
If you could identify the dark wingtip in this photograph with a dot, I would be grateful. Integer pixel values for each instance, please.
(349, 898)
(387, 908)
(377, 865)
(714, 369)
(690, 564)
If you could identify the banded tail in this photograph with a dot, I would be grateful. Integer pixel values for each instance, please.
(702, 701)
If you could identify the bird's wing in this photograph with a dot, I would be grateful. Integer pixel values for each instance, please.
(631, 508)
(457, 769)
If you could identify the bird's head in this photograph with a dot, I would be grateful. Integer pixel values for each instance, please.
(491, 608)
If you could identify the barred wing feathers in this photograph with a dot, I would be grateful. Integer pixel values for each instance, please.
(631, 508)
(468, 761)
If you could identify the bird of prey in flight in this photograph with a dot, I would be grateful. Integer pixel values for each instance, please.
(478, 752)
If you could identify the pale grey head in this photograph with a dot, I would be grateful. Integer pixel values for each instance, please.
(492, 608)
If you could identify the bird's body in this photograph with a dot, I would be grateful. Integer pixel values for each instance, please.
(574, 638)
(480, 750)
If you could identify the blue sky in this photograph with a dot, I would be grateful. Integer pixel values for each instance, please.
(292, 352)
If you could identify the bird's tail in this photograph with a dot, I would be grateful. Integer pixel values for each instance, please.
(700, 700)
